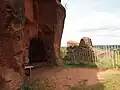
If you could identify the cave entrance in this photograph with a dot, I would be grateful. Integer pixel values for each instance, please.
(37, 53)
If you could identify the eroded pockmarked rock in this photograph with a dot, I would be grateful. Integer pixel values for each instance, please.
(44, 19)
(11, 48)
(83, 53)
(86, 50)
(85, 42)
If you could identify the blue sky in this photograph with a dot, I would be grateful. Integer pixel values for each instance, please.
(97, 19)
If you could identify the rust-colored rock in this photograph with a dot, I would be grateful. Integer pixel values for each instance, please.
(48, 21)
(43, 24)
(11, 48)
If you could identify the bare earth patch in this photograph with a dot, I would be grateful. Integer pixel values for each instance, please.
(63, 79)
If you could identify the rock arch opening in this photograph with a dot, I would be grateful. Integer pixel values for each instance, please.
(36, 51)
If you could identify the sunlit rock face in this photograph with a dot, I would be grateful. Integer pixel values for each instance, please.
(42, 19)
(83, 53)
(47, 17)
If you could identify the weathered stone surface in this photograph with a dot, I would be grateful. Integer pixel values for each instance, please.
(85, 42)
(83, 53)
(87, 50)
(49, 23)
(72, 43)
(61, 14)
(11, 48)
(40, 22)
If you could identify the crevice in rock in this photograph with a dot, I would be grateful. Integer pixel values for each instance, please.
(37, 51)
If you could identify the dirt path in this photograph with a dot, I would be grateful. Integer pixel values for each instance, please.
(63, 79)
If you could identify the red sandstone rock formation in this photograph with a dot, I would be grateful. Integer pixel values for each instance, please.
(44, 20)
(11, 48)
(47, 17)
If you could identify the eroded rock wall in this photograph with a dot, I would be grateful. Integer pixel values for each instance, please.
(82, 54)
(11, 46)
(49, 17)
(41, 18)
(61, 14)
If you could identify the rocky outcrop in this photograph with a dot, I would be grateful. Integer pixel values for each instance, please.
(47, 18)
(11, 47)
(86, 51)
(44, 20)
(61, 14)
(83, 53)
(86, 42)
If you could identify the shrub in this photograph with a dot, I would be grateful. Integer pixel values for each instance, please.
(35, 85)
(63, 52)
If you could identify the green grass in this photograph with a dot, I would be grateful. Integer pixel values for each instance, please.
(40, 84)
(31, 87)
(35, 85)
(104, 63)
(107, 63)
(79, 66)
(111, 82)
(90, 87)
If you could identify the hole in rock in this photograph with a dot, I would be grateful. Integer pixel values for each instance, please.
(37, 53)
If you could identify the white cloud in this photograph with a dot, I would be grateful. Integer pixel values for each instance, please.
(101, 27)
(94, 20)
